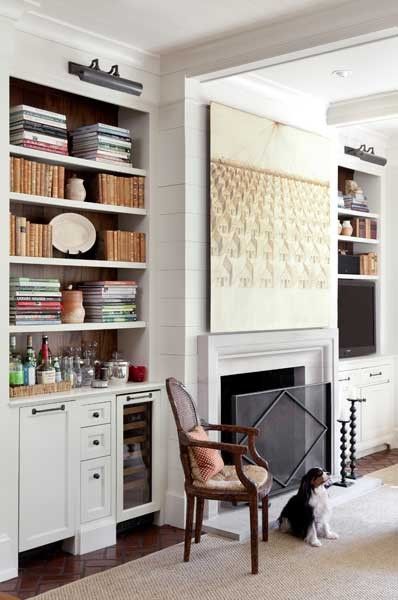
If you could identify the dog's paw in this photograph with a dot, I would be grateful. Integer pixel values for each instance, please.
(315, 543)
(332, 535)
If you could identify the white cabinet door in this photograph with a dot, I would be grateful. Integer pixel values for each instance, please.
(377, 415)
(96, 480)
(46, 474)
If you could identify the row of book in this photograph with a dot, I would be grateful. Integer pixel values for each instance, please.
(33, 127)
(109, 301)
(35, 301)
(102, 142)
(40, 179)
(124, 246)
(120, 191)
(30, 239)
(368, 264)
(364, 228)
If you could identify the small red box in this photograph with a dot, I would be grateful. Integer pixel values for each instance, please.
(137, 373)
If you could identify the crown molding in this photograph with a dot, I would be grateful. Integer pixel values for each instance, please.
(28, 19)
(376, 107)
(293, 38)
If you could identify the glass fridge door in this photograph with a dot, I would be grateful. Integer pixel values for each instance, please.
(137, 456)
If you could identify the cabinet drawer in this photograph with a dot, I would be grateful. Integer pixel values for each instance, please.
(95, 488)
(349, 378)
(95, 441)
(95, 414)
(374, 375)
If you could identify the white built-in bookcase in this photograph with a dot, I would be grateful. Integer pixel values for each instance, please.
(131, 339)
(371, 178)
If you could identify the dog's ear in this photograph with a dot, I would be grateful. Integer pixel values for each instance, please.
(305, 487)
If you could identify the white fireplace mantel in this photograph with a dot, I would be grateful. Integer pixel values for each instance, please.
(231, 353)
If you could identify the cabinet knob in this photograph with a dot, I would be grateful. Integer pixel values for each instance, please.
(96, 415)
(96, 475)
(96, 442)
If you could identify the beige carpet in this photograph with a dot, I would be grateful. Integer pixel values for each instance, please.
(389, 475)
(362, 565)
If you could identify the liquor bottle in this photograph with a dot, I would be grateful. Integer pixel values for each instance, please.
(45, 372)
(30, 353)
(16, 376)
(29, 365)
(40, 356)
(57, 367)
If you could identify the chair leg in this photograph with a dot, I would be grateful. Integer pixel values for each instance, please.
(189, 526)
(253, 504)
(200, 502)
(265, 503)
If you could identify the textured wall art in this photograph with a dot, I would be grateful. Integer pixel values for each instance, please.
(270, 224)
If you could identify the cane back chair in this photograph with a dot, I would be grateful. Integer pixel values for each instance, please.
(237, 483)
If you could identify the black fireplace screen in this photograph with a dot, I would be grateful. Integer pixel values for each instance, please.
(294, 425)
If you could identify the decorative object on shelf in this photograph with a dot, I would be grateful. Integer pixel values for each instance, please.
(106, 143)
(348, 264)
(36, 178)
(339, 227)
(347, 228)
(354, 197)
(137, 373)
(73, 233)
(109, 79)
(33, 127)
(38, 389)
(366, 154)
(75, 189)
(72, 306)
(353, 436)
(343, 453)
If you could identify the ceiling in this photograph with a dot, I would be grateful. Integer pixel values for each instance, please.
(373, 69)
(160, 26)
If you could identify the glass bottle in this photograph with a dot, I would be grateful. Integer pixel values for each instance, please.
(40, 356)
(29, 365)
(87, 370)
(45, 372)
(16, 377)
(77, 371)
(68, 372)
(57, 367)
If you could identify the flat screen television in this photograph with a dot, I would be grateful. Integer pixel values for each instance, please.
(356, 318)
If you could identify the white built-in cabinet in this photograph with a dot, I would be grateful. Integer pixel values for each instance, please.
(372, 380)
(47, 468)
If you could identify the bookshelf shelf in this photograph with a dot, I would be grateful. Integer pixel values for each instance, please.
(74, 163)
(359, 277)
(31, 200)
(75, 262)
(357, 240)
(76, 327)
(356, 213)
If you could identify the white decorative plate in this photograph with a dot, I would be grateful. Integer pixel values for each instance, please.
(72, 233)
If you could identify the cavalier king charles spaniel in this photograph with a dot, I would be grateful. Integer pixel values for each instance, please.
(306, 514)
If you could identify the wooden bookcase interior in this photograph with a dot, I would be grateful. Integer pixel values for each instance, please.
(79, 111)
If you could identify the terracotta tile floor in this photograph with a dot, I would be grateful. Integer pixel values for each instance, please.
(50, 567)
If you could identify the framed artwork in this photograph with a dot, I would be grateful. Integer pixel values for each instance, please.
(270, 224)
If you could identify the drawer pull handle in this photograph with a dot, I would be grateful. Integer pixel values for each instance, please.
(36, 411)
(96, 475)
(346, 379)
(376, 374)
(139, 397)
(96, 442)
(96, 415)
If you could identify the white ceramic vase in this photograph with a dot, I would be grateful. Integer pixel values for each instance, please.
(347, 228)
(75, 189)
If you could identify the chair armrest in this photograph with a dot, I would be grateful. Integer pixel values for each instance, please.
(230, 448)
(232, 429)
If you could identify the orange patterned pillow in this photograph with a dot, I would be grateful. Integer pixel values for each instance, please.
(205, 462)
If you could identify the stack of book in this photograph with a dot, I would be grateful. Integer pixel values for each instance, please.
(128, 246)
(368, 263)
(364, 228)
(35, 301)
(40, 129)
(120, 191)
(109, 301)
(40, 179)
(30, 239)
(101, 142)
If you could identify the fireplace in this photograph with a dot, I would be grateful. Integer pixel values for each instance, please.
(293, 421)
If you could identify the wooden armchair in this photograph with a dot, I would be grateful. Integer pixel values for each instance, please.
(236, 483)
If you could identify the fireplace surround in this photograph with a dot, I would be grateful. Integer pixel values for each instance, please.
(311, 355)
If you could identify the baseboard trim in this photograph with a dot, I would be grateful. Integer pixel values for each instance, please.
(8, 558)
(92, 536)
(175, 510)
